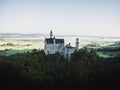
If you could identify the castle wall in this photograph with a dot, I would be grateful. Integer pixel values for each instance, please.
(68, 52)
(53, 48)
(53, 45)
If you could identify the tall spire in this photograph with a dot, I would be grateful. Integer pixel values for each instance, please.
(77, 43)
(51, 34)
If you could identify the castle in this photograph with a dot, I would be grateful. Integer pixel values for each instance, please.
(53, 45)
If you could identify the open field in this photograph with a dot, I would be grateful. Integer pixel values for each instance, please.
(13, 51)
(19, 45)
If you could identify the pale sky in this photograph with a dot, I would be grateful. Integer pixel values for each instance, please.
(78, 17)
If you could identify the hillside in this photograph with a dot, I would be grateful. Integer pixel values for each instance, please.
(35, 70)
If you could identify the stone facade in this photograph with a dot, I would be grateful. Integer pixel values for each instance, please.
(53, 45)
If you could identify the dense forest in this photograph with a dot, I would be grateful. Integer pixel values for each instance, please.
(35, 70)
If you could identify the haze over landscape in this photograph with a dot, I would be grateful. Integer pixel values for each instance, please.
(64, 17)
(59, 44)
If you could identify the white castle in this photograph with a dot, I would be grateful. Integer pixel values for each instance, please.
(53, 45)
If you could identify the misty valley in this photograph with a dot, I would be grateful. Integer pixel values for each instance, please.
(24, 64)
(104, 46)
(59, 44)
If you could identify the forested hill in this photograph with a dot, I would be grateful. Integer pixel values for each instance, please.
(35, 70)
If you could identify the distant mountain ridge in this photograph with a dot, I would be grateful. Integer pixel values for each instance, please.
(20, 35)
(37, 35)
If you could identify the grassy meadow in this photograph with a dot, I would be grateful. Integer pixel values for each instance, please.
(105, 47)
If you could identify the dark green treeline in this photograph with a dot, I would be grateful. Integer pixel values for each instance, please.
(37, 70)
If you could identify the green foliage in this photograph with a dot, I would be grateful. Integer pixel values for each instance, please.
(53, 70)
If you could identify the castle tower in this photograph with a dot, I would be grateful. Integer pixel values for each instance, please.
(54, 44)
(51, 34)
(77, 44)
(54, 40)
(45, 44)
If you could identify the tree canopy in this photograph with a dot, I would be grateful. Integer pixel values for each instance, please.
(37, 70)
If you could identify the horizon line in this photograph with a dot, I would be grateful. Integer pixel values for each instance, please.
(80, 35)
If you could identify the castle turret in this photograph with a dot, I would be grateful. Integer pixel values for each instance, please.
(45, 44)
(77, 44)
(54, 44)
(51, 34)
(54, 40)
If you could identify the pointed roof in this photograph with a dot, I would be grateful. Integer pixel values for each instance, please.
(57, 41)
